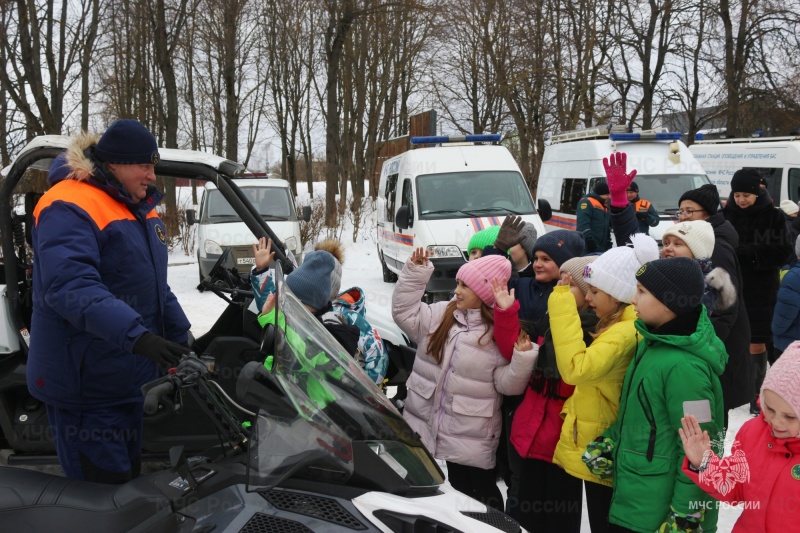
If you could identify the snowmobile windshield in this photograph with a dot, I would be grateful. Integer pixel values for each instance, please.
(338, 421)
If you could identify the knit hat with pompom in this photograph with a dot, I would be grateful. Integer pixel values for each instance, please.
(614, 272)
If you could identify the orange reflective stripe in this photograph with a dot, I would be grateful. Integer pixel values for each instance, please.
(89, 198)
(642, 205)
(596, 203)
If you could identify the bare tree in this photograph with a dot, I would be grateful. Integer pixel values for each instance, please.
(462, 77)
(44, 44)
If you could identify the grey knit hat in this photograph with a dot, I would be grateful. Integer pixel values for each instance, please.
(677, 282)
(528, 234)
(311, 282)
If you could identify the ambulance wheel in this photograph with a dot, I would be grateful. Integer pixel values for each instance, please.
(388, 275)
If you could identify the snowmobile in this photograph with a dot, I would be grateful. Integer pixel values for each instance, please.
(233, 340)
(309, 444)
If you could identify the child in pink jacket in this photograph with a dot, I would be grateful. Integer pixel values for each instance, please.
(455, 387)
(763, 470)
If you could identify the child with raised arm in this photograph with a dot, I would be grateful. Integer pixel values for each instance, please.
(675, 371)
(596, 370)
(763, 470)
(549, 499)
(455, 387)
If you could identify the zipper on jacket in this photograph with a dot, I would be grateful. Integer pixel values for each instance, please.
(648, 413)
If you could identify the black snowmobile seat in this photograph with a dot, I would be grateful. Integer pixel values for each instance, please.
(36, 501)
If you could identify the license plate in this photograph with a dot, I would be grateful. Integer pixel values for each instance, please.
(246, 261)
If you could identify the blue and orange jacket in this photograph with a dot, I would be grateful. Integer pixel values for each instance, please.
(99, 283)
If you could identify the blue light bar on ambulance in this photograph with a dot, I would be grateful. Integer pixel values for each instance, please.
(646, 136)
(476, 138)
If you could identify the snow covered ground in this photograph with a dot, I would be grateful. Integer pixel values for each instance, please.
(361, 268)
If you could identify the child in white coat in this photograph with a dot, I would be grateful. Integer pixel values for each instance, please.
(455, 388)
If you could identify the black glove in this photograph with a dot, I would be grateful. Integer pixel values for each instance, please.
(509, 233)
(164, 353)
(641, 215)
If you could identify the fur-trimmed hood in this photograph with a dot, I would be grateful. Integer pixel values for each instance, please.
(719, 280)
(73, 164)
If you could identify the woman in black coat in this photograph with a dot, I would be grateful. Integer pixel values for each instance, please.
(763, 248)
(731, 325)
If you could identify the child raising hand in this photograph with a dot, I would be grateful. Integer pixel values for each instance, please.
(763, 469)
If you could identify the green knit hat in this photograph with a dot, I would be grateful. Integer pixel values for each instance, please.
(483, 238)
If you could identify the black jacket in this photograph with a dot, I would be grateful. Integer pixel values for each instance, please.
(763, 248)
(732, 325)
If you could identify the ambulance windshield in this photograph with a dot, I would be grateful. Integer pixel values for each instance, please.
(470, 194)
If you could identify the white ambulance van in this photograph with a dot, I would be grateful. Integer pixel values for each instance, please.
(438, 197)
(777, 159)
(573, 164)
(219, 226)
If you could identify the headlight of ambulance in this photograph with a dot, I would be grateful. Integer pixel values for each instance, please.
(291, 243)
(437, 252)
(212, 248)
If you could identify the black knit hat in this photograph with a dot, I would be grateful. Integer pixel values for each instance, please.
(746, 180)
(706, 197)
(561, 245)
(677, 282)
(633, 187)
(601, 188)
(127, 142)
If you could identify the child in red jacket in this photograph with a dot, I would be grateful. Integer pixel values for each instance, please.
(549, 498)
(763, 470)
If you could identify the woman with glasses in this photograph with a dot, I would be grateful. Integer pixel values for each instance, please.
(731, 324)
(763, 248)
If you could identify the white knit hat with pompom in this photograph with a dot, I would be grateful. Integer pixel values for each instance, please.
(614, 272)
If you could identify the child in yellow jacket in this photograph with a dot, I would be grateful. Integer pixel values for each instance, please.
(596, 371)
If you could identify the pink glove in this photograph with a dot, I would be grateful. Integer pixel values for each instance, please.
(618, 180)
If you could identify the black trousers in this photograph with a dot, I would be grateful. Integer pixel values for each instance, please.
(477, 483)
(550, 500)
(598, 505)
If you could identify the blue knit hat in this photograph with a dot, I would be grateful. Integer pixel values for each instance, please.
(561, 245)
(127, 142)
(311, 282)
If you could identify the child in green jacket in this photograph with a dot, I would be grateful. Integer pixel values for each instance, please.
(674, 372)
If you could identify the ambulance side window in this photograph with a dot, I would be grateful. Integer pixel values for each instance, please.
(794, 184)
(408, 199)
(391, 187)
(572, 190)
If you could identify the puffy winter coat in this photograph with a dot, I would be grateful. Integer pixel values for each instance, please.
(536, 425)
(596, 371)
(772, 490)
(763, 249)
(532, 296)
(786, 320)
(667, 371)
(373, 357)
(455, 405)
(99, 283)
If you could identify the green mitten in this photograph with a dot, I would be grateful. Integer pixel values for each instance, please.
(682, 522)
(598, 457)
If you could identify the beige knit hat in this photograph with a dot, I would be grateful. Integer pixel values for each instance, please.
(575, 267)
(697, 234)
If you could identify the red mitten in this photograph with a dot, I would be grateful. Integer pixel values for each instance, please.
(618, 180)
